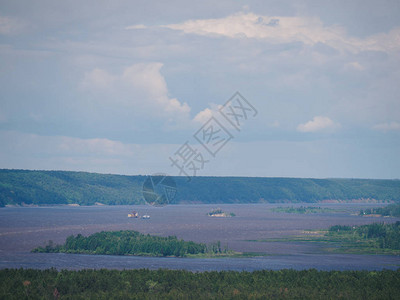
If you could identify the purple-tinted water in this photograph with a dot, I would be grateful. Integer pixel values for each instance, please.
(22, 229)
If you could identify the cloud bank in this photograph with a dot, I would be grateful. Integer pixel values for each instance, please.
(278, 29)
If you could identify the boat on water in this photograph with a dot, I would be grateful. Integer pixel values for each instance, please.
(133, 214)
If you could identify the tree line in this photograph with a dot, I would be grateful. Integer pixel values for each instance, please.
(129, 242)
(384, 236)
(392, 210)
(180, 284)
(64, 187)
(302, 210)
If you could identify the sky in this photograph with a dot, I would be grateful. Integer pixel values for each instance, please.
(139, 87)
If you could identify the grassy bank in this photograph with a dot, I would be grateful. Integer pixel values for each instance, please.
(365, 239)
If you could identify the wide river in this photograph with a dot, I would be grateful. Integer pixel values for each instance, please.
(24, 228)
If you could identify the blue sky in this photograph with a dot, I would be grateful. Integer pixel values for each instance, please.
(119, 87)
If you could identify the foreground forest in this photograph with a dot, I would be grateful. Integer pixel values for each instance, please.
(170, 284)
(63, 187)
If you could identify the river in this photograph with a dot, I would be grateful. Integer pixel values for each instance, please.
(24, 228)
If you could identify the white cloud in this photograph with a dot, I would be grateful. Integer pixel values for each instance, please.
(147, 79)
(355, 65)
(9, 25)
(98, 78)
(140, 85)
(138, 26)
(32, 151)
(71, 146)
(203, 116)
(388, 126)
(64, 145)
(388, 42)
(318, 123)
(276, 29)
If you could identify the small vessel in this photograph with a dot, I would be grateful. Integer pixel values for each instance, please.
(133, 214)
(146, 217)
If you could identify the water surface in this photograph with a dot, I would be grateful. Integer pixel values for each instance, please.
(22, 229)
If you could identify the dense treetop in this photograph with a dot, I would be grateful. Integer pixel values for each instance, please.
(179, 284)
(392, 210)
(128, 242)
(65, 187)
(374, 236)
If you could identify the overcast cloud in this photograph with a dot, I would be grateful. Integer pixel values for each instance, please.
(119, 86)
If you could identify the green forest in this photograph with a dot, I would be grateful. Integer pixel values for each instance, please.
(376, 238)
(303, 210)
(23, 187)
(219, 212)
(392, 210)
(129, 242)
(369, 237)
(170, 284)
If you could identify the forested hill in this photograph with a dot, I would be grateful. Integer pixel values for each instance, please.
(64, 187)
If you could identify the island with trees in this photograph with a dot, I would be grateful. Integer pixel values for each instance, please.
(376, 238)
(392, 210)
(303, 210)
(218, 213)
(128, 242)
